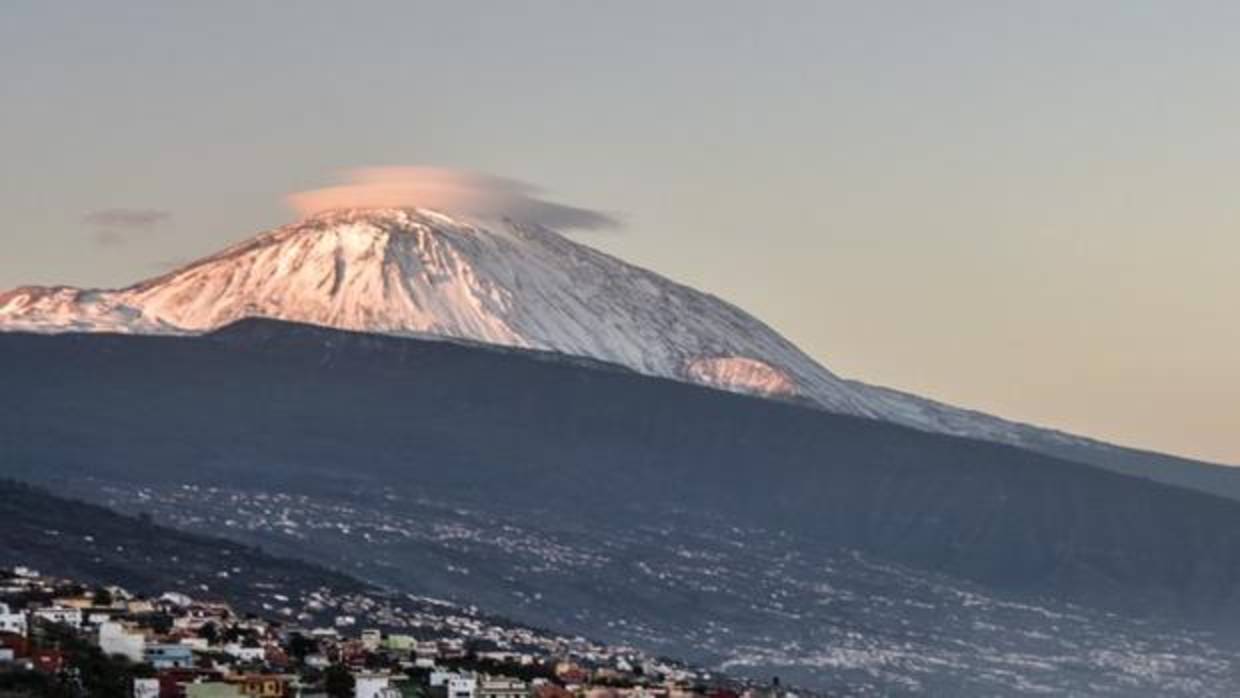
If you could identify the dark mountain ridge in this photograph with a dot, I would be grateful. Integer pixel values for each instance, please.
(319, 410)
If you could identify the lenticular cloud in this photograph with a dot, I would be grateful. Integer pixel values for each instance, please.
(451, 191)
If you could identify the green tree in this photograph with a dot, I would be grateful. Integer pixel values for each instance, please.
(103, 597)
(88, 671)
(209, 632)
(299, 646)
(338, 681)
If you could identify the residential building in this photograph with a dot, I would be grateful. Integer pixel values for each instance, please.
(146, 688)
(79, 601)
(400, 643)
(12, 621)
(371, 685)
(462, 686)
(139, 606)
(65, 615)
(177, 599)
(245, 654)
(116, 638)
(440, 677)
(169, 656)
(502, 687)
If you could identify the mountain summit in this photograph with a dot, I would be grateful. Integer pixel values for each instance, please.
(417, 272)
(420, 273)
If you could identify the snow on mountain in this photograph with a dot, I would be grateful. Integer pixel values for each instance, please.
(421, 273)
(65, 309)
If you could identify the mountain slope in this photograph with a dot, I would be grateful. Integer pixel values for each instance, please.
(266, 402)
(744, 532)
(76, 540)
(90, 544)
(419, 273)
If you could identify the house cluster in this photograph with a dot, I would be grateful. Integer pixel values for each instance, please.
(175, 646)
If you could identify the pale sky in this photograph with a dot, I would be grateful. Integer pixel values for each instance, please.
(1024, 208)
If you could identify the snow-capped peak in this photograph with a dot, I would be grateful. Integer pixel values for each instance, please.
(418, 272)
(423, 273)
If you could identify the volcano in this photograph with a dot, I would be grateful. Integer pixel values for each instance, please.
(422, 273)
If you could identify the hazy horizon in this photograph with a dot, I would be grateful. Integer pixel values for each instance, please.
(1048, 235)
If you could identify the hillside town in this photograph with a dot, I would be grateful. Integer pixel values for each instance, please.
(59, 637)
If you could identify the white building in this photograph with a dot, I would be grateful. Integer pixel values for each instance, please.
(115, 638)
(198, 644)
(177, 599)
(146, 688)
(64, 615)
(502, 687)
(245, 654)
(12, 622)
(458, 685)
(462, 686)
(373, 686)
(440, 677)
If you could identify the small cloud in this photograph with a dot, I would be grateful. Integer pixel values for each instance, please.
(117, 226)
(449, 191)
(132, 218)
